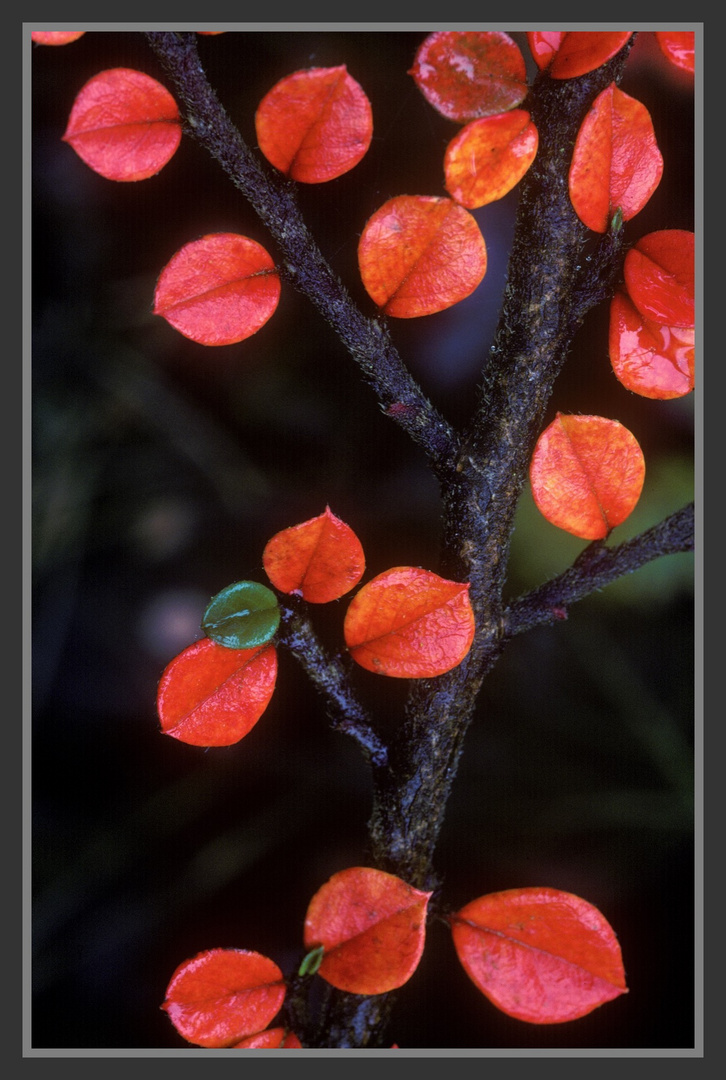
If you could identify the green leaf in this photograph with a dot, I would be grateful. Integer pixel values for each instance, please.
(241, 616)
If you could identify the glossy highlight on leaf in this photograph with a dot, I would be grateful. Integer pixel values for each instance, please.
(419, 254)
(372, 926)
(539, 954)
(218, 290)
(55, 37)
(213, 696)
(277, 1038)
(659, 275)
(223, 995)
(471, 73)
(679, 47)
(587, 474)
(648, 358)
(315, 125)
(569, 53)
(409, 623)
(124, 125)
(489, 157)
(616, 162)
(242, 616)
(320, 560)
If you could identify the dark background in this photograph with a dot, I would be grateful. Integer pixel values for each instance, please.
(161, 468)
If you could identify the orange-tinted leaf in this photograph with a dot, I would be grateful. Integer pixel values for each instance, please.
(539, 955)
(659, 276)
(587, 474)
(315, 125)
(570, 53)
(372, 926)
(277, 1038)
(124, 125)
(652, 360)
(55, 37)
(410, 624)
(218, 290)
(489, 157)
(223, 995)
(470, 73)
(616, 163)
(320, 560)
(678, 46)
(210, 695)
(419, 254)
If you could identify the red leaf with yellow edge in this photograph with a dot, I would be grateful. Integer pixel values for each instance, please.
(659, 275)
(470, 73)
(55, 37)
(489, 157)
(410, 623)
(419, 254)
(539, 954)
(587, 474)
(652, 360)
(320, 560)
(218, 290)
(315, 125)
(223, 995)
(372, 926)
(679, 47)
(277, 1038)
(210, 695)
(124, 125)
(569, 53)
(616, 162)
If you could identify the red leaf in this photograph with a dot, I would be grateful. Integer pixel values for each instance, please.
(55, 37)
(616, 163)
(210, 695)
(575, 52)
(659, 276)
(539, 955)
(410, 624)
(315, 125)
(218, 290)
(372, 926)
(489, 157)
(652, 360)
(277, 1038)
(124, 125)
(419, 254)
(587, 474)
(223, 995)
(471, 73)
(321, 559)
(678, 46)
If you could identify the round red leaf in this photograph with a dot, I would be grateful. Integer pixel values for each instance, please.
(650, 359)
(55, 37)
(616, 163)
(410, 623)
(124, 125)
(587, 474)
(659, 276)
(223, 995)
(570, 53)
(539, 955)
(277, 1038)
(420, 254)
(218, 290)
(471, 73)
(678, 46)
(372, 926)
(315, 125)
(320, 560)
(489, 157)
(210, 695)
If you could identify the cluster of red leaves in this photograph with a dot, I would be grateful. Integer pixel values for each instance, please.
(539, 954)
(652, 318)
